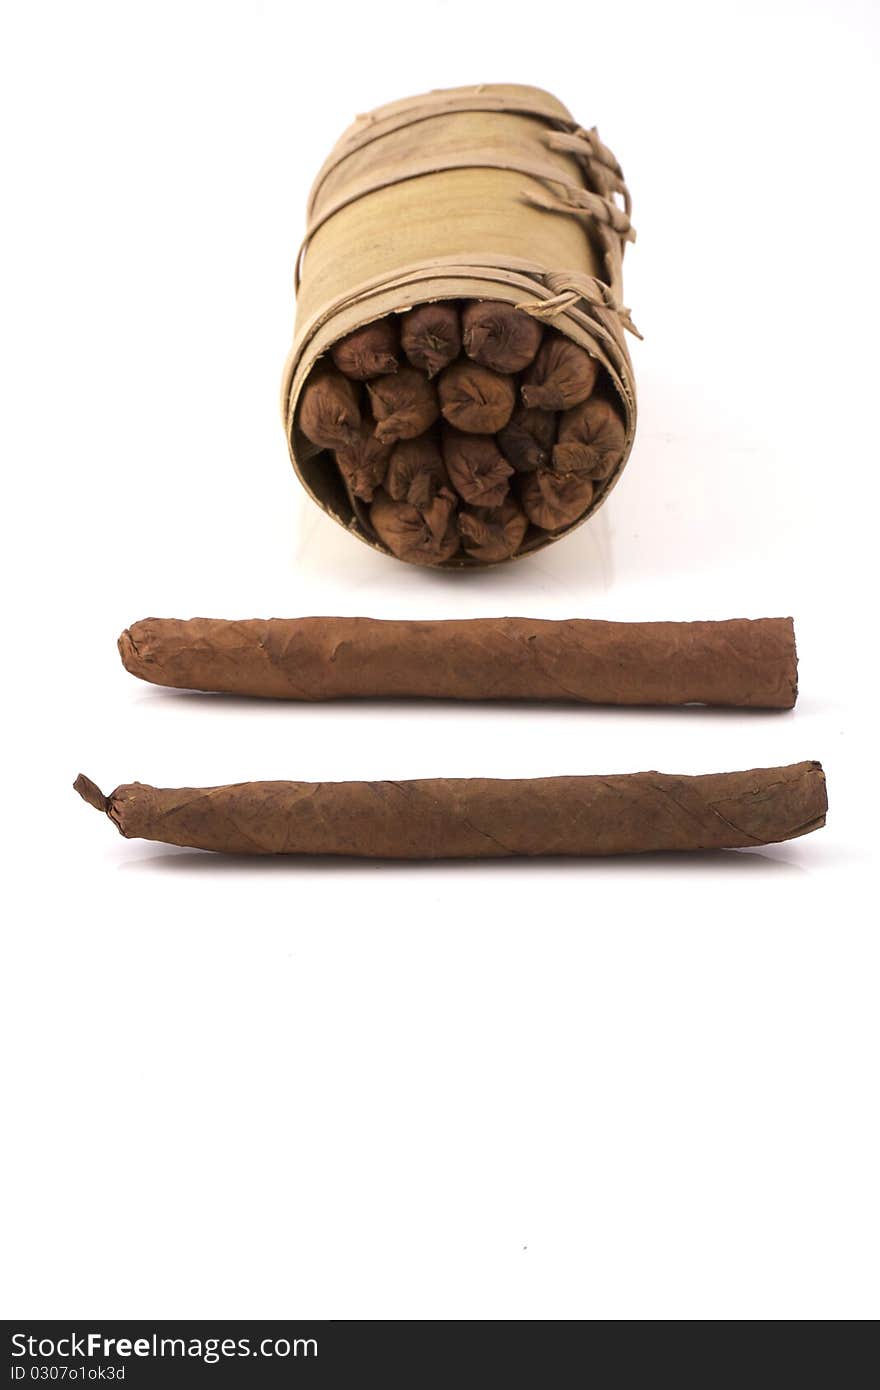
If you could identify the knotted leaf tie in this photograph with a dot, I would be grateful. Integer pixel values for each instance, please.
(601, 164)
(569, 289)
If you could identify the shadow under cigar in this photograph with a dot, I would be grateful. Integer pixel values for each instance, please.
(207, 700)
(725, 861)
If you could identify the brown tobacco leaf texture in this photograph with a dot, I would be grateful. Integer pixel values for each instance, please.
(431, 337)
(561, 376)
(407, 533)
(329, 414)
(477, 468)
(416, 474)
(591, 439)
(439, 511)
(476, 399)
(367, 352)
(404, 405)
(552, 501)
(363, 462)
(416, 471)
(527, 441)
(499, 336)
(492, 533)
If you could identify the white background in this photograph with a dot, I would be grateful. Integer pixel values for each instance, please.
(642, 1089)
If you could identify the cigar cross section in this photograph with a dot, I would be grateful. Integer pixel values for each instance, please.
(476, 818)
(739, 662)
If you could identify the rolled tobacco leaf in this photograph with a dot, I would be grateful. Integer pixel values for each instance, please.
(527, 441)
(591, 439)
(561, 376)
(363, 461)
(741, 661)
(422, 538)
(476, 467)
(416, 470)
(492, 533)
(367, 352)
(417, 475)
(431, 337)
(329, 411)
(405, 405)
(476, 399)
(552, 500)
(476, 818)
(499, 336)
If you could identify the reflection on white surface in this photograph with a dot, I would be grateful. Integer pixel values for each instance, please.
(182, 861)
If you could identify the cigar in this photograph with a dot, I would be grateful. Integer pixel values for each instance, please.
(561, 376)
(476, 818)
(423, 536)
(477, 467)
(416, 471)
(552, 500)
(744, 662)
(492, 533)
(404, 405)
(475, 398)
(591, 439)
(431, 337)
(363, 461)
(499, 336)
(527, 441)
(329, 414)
(369, 351)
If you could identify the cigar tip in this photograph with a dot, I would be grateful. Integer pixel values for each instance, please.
(90, 792)
(816, 801)
(126, 647)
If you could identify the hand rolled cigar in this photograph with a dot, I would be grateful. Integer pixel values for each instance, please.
(499, 336)
(745, 662)
(561, 376)
(591, 439)
(431, 337)
(476, 399)
(416, 471)
(330, 415)
(553, 500)
(369, 351)
(527, 440)
(363, 461)
(423, 537)
(404, 404)
(492, 533)
(476, 818)
(477, 467)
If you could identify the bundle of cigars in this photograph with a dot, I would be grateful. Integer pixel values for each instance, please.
(459, 392)
(464, 429)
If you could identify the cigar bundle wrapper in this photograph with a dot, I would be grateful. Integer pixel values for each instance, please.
(477, 818)
(739, 662)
